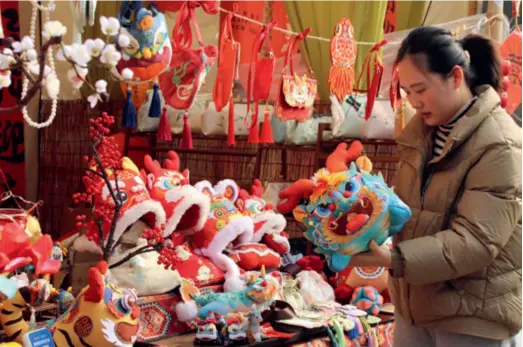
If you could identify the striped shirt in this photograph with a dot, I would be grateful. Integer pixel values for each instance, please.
(443, 131)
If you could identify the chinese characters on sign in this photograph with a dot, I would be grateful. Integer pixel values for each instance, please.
(12, 160)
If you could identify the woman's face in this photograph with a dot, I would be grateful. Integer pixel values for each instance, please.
(436, 99)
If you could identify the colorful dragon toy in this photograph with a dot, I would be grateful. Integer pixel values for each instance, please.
(186, 208)
(344, 208)
(225, 225)
(259, 291)
(102, 315)
(149, 51)
(268, 225)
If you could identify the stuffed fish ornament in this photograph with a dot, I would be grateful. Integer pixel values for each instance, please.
(343, 59)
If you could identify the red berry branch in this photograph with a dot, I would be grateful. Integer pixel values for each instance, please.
(100, 168)
(103, 164)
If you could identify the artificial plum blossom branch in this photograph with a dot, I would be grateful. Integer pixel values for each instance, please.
(19, 63)
(22, 56)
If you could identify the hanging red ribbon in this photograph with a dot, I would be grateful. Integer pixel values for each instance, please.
(373, 83)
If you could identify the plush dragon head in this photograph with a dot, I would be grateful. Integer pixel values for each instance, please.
(345, 207)
(149, 51)
(268, 224)
(260, 289)
(102, 315)
(186, 208)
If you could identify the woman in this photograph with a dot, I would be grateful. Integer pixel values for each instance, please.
(456, 266)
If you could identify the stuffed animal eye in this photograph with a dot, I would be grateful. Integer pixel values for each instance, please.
(322, 210)
(123, 197)
(352, 186)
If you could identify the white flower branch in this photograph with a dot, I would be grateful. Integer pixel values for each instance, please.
(22, 55)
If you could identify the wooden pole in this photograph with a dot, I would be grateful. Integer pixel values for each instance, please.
(495, 26)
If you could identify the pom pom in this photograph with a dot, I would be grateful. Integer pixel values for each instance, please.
(367, 299)
(186, 311)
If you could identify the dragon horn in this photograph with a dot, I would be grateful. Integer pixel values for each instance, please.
(263, 271)
(173, 162)
(257, 188)
(298, 190)
(338, 160)
(152, 165)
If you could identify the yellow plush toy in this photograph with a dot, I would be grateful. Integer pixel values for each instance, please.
(32, 228)
(103, 315)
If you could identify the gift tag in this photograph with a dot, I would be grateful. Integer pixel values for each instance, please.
(38, 338)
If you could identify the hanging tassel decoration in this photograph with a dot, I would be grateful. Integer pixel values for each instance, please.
(156, 104)
(164, 130)
(186, 134)
(266, 130)
(129, 112)
(231, 140)
(254, 136)
(373, 88)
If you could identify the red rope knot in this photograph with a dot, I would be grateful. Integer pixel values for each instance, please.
(304, 34)
(379, 45)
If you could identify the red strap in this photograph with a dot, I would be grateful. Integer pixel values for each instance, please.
(290, 50)
(182, 33)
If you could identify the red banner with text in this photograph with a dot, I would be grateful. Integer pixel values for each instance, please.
(12, 158)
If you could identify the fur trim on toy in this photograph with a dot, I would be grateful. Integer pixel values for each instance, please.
(186, 311)
(186, 208)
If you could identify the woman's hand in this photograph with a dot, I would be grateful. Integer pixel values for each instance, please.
(377, 256)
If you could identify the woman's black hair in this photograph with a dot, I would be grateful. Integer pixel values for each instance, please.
(438, 52)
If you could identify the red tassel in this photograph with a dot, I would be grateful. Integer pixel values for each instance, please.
(254, 136)
(186, 134)
(266, 130)
(231, 140)
(164, 130)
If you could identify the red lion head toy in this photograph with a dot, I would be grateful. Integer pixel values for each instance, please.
(268, 224)
(186, 208)
(130, 189)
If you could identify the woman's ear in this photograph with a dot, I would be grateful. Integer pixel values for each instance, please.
(458, 76)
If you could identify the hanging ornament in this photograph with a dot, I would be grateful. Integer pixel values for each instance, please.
(373, 83)
(510, 50)
(343, 59)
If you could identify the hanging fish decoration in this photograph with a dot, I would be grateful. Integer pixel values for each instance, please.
(343, 59)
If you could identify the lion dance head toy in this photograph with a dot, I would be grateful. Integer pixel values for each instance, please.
(344, 206)
(103, 315)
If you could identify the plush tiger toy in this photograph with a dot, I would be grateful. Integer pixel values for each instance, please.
(102, 315)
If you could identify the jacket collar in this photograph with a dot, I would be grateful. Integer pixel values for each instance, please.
(419, 135)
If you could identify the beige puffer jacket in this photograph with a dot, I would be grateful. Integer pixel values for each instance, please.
(460, 254)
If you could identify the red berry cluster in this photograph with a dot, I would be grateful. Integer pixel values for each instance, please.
(505, 82)
(92, 234)
(81, 221)
(153, 235)
(107, 148)
(105, 212)
(168, 258)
